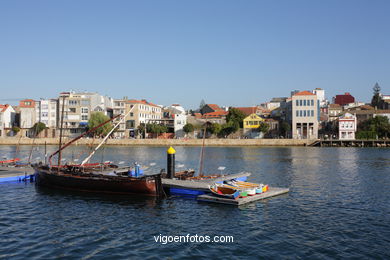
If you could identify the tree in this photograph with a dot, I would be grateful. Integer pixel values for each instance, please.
(15, 129)
(378, 125)
(228, 128)
(156, 128)
(141, 130)
(376, 98)
(235, 116)
(263, 127)
(214, 128)
(37, 128)
(96, 119)
(285, 128)
(202, 104)
(188, 128)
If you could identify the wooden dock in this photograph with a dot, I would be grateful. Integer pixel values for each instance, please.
(200, 185)
(9, 174)
(352, 143)
(272, 191)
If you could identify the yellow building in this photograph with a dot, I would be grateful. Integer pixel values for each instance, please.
(252, 121)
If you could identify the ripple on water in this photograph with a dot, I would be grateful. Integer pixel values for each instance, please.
(337, 208)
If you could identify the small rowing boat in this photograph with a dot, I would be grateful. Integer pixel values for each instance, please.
(224, 191)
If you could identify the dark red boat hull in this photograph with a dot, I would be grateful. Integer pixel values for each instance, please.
(108, 184)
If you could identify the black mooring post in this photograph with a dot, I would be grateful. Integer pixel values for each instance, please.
(171, 162)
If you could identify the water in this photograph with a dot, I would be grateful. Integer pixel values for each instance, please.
(338, 207)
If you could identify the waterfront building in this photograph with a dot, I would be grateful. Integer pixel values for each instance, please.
(320, 93)
(27, 116)
(334, 111)
(365, 114)
(46, 113)
(210, 108)
(347, 126)
(344, 99)
(7, 118)
(78, 108)
(119, 108)
(385, 103)
(251, 124)
(305, 115)
(142, 112)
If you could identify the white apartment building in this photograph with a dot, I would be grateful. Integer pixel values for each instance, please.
(347, 126)
(305, 115)
(7, 118)
(46, 112)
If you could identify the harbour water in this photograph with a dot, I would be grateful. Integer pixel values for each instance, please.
(338, 207)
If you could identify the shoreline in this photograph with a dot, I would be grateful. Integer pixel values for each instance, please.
(161, 142)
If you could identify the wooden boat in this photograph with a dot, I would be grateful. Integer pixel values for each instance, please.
(224, 191)
(69, 177)
(10, 162)
(92, 177)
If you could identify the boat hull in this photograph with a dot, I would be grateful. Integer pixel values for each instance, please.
(145, 185)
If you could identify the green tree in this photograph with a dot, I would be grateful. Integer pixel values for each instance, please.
(156, 128)
(263, 127)
(202, 104)
(376, 98)
(214, 128)
(188, 128)
(379, 125)
(235, 116)
(96, 119)
(228, 128)
(285, 128)
(15, 129)
(37, 128)
(141, 130)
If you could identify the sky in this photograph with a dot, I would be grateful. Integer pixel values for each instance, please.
(232, 53)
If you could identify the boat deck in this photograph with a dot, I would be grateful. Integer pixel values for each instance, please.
(272, 191)
(200, 185)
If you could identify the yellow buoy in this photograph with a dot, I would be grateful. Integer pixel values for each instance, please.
(171, 150)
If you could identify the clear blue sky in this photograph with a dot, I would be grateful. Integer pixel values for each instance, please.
(226, 52)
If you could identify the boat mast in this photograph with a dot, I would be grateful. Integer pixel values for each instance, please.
(202, 153)
(78, 137)
(105, 138)
(60, 142)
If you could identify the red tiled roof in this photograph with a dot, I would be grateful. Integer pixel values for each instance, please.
(23, 104)
(3, 107)
(304, 93)
(247, 110)
(143, 101)
(215, 107)
(334, 106)
(215, 114)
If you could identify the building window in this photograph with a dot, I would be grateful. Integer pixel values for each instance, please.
(130, 124)
(304, 102)
(73, 102)
(45, 114)
(72, 110)
(297, 112)
(312, 113)
(84, 117)
(84, 110)
(300, 102)
(312, 102)
(304, 113)
(297, 103)
(300, 112)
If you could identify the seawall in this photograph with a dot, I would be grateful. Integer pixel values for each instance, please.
(162, 142)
